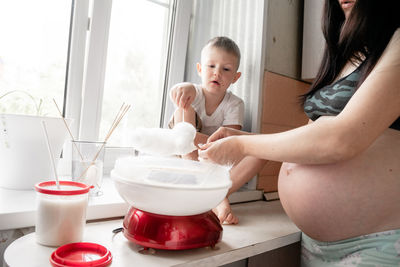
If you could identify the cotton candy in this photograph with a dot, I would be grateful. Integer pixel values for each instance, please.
(165, 142)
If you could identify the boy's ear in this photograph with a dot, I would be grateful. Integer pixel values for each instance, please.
(237, 76)
(198, 66)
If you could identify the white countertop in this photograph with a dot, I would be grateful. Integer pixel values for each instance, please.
(263, 226)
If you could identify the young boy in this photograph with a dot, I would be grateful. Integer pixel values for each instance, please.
(209, 106)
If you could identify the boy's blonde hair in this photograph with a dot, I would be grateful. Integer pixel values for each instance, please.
(225, 44)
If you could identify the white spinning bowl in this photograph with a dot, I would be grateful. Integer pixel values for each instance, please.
(170, 186)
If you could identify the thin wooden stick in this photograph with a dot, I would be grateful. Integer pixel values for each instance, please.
(116, 118)
(118, 121)
(69, 130)
(121, 113)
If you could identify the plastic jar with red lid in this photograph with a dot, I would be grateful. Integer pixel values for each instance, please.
(61, 212)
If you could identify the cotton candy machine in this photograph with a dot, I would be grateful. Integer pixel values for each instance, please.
(171, 201)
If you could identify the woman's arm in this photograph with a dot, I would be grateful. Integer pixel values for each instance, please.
(370, 111)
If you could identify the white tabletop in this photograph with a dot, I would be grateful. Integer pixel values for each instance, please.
(263, 226)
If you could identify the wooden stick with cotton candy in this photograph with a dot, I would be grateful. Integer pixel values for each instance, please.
(165, 142)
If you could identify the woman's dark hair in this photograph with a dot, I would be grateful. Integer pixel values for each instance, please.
(364, 35)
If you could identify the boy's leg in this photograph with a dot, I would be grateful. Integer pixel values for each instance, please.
(224, 212)
(188, 115)
(241, 173)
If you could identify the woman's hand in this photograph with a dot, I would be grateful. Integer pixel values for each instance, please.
(223, 132)
(226, 151)
(222, 147)
(183, 95)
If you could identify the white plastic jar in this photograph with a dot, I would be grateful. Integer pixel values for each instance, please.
(61, 213)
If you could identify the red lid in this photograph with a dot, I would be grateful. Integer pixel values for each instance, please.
(75, 188)
(81, 254)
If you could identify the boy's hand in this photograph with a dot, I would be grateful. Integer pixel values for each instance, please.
(183, 95)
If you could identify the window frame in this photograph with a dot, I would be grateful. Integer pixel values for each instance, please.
(76, 66)
(178, 46)
(94, 72)
(73, 99)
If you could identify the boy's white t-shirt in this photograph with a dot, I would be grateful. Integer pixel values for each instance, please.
(229, 112)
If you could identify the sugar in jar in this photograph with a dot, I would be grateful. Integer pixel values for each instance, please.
(61, 212)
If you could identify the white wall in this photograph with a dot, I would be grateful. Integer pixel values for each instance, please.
(313, 40)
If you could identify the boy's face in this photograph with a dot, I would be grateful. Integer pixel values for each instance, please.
(218, 69)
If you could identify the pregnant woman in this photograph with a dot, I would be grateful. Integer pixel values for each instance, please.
(340, 180)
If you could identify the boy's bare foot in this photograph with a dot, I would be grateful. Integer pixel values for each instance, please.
(224, 213)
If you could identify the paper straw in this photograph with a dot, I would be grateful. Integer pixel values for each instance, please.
(51, 154)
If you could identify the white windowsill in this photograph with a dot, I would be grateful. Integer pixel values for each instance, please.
(18, 207)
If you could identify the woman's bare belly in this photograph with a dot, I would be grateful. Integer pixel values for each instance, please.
(346, 199)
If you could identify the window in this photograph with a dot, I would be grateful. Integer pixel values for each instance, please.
(131, 51)
(33, 55)
(127, 54)
(135, 68)
(95, 54)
